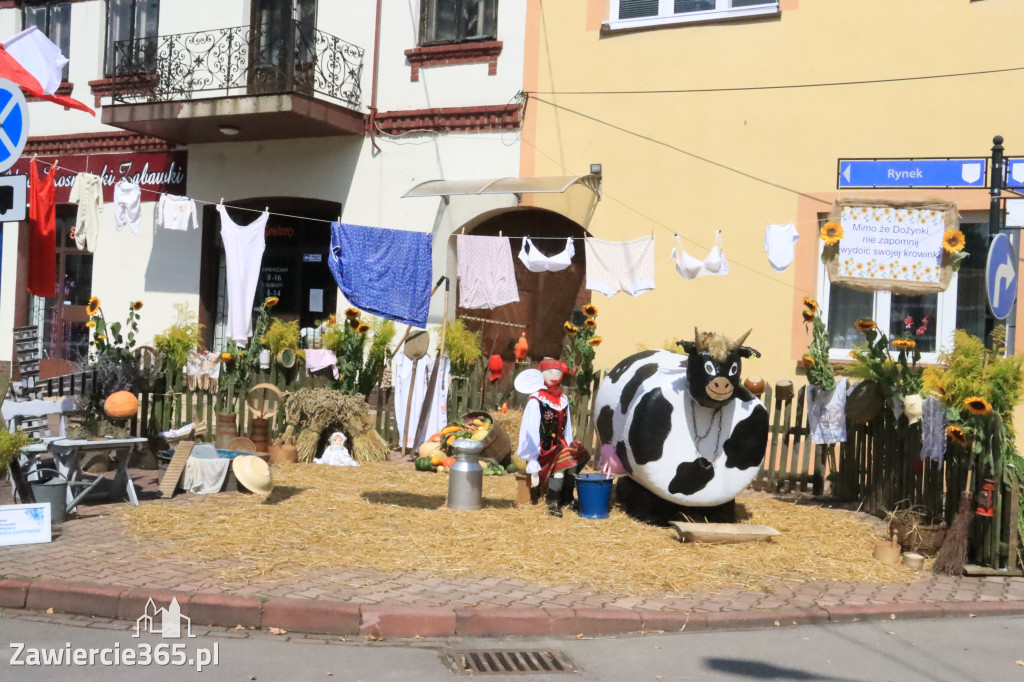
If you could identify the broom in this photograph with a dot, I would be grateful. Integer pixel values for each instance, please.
(953, 554)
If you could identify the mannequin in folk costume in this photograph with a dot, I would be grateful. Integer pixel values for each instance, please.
(545, 436)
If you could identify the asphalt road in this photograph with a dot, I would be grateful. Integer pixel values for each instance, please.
(990, 649)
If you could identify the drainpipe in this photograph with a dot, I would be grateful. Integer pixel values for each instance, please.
(373, 86)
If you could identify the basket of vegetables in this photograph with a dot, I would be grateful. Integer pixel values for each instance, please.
(497, 445)
(437, 453)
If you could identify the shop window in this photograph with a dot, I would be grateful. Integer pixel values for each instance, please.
(133, 24)
(64, 338)
(640, 13)
(456, 21)
(930, 318)
(53, 19)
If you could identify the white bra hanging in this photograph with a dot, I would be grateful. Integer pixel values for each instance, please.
(535, 261)
(689, 267)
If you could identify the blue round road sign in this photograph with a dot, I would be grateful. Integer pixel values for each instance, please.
(13, 123)
(1001, 276)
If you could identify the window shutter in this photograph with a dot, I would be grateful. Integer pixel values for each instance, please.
(684, 6)
(632, 9)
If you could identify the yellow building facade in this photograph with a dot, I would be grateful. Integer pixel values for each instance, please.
(737, 153)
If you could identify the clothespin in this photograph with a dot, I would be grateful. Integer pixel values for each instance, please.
(266, 209)
(221, 201)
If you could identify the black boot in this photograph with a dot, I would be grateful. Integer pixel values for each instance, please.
(554, 508)
(565, 497)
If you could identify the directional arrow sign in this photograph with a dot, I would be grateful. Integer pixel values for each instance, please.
(1001, 277)
(912, 173)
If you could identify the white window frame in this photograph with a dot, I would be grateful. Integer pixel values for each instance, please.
(881, 310)
(667, 16)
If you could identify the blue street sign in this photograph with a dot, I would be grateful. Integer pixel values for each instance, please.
(912, 173)
(1001, 277)
(13, 123)
(1014, 173)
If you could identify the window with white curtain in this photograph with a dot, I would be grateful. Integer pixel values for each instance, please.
(641, 13)
(135, 21)
(930, 318)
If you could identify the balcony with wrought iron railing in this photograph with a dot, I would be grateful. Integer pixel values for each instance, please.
(320, 74)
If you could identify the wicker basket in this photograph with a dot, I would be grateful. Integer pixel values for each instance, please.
(914, 537)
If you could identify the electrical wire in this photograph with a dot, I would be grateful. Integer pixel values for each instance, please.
(793, 86)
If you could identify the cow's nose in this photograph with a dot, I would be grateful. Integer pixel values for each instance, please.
(720, 386)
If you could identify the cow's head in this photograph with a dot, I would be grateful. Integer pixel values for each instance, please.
(713, 366)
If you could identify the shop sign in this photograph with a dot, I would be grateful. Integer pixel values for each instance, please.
(892, 246)
(23, 524)
(154, 172)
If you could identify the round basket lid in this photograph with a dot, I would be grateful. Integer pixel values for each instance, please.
(417, 345)
(242, 445)
(253, 473)
(263, 400)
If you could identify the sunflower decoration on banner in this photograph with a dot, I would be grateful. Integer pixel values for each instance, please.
(831, 234)
(953, 253)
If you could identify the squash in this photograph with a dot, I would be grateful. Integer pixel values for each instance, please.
(121, 405)
(423, 464)
(450, 429)
(436, 460)
(430, 449)
(447, 463)
(481, 434)
(511, 469)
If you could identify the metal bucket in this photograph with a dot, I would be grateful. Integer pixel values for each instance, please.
(54, 492)
(466, 476)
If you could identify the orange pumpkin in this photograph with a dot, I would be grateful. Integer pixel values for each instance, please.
(121, 404)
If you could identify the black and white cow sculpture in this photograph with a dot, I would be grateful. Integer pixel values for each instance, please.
(685, 430)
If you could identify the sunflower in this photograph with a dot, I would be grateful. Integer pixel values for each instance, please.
(570, 328)
(90, 324)
(226, 357)
(93, 306)
(590, 310)
(865, 324)
(137, 305)
(977, 405)
(904, 344)
(854, 356)
(272, 301)
(807, 360)
(810, 304)
(363, 328)
(595, 342)
(957, 435)
(953, 241)
(808, 315)
(590, 322)
(831, 233)
(101, 337)
(352, 313)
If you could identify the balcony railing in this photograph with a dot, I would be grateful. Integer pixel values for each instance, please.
(293, 57)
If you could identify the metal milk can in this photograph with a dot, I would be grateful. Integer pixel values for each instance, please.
(466, 476)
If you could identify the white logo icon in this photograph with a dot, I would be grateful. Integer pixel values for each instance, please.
(170, 621)
(970, 172)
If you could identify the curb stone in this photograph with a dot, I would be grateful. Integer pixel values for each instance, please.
(397, 622)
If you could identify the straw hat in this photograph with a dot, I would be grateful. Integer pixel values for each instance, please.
(253, 473)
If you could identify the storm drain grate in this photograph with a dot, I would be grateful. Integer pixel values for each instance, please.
(510, 662)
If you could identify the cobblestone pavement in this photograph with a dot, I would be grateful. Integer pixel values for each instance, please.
(92, 548)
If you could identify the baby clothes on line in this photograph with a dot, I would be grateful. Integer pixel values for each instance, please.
(487, 274)
(319, 358)
(384, 272)
(690, 268)
(779, 243)
(175, 213)
(535, 261)
(127, 206)
(620, 266)
(87, 192)
(42, 236)
(243, 254)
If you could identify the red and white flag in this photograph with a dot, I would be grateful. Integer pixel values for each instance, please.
(35, 63)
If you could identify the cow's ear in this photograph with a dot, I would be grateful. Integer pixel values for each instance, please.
(689, 346)
(747, 351)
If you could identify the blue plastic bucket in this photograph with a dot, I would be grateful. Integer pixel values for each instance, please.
(595, 491)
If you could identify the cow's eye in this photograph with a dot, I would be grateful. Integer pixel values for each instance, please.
(732, 370)
(709, 367)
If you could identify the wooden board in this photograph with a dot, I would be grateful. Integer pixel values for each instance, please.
(169, 483)
(722, 533)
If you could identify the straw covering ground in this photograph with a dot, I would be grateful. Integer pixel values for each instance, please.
(391, 518)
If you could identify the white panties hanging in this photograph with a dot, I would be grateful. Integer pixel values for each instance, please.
(689, 267)
(535, 261)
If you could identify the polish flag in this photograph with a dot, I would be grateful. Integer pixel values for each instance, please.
(35, 63)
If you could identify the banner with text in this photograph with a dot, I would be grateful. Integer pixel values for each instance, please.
(154, 172)
(892, 246)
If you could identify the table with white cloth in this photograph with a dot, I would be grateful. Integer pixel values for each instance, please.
(67, 456)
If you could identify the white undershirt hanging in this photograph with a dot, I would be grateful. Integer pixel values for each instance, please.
(779, 244)
(243, 254)
(127, 206)
(535, 261)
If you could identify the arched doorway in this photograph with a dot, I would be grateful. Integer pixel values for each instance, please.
(294, 266)
(546, 299)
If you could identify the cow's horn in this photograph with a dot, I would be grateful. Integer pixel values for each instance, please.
(739, 342)
(696, 338)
